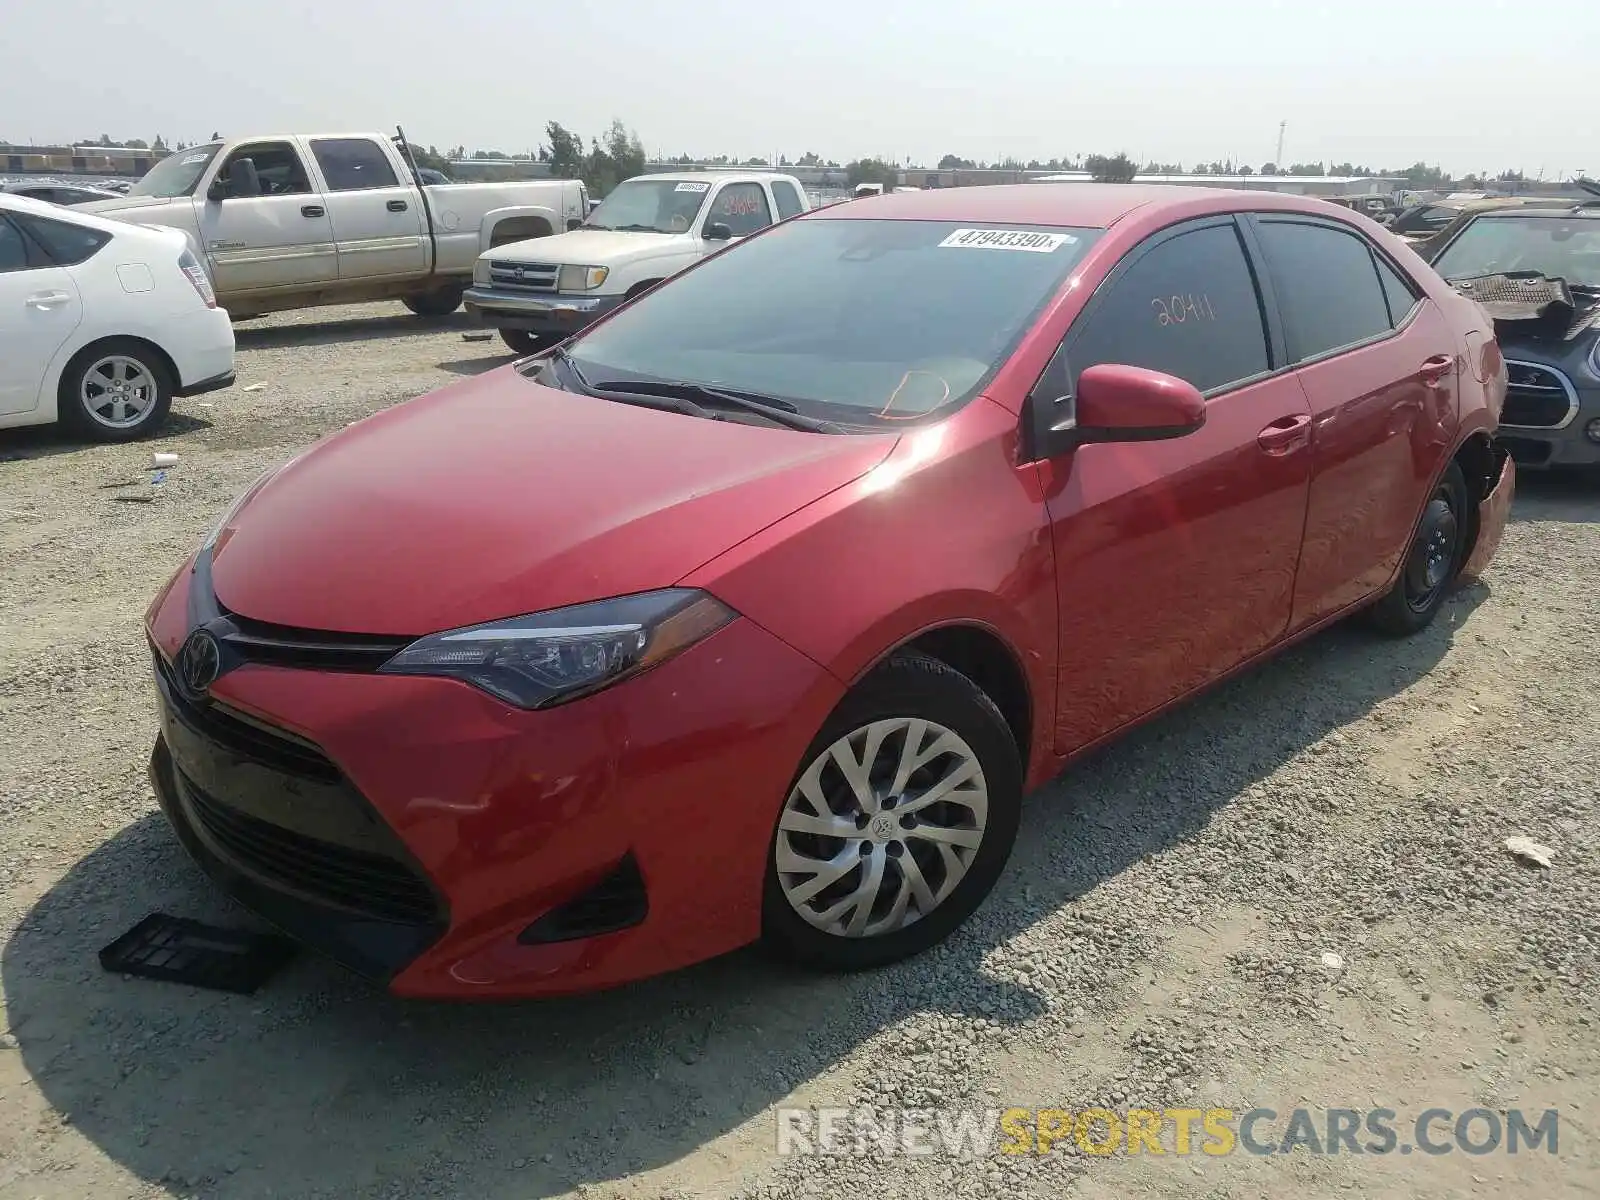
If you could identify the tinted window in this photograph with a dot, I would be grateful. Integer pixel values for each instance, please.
(353, 164)
(1188, 307)
(277, 166)
(1327, 286)
(1400, 294)
(742, 207)
(872, 320)
(13, 250)
(66, 244)
(788, 199)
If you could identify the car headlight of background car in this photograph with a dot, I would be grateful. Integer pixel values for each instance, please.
(480, 271)
(552, 657)
(581, 279)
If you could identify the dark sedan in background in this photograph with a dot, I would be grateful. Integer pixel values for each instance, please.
(1536, 270)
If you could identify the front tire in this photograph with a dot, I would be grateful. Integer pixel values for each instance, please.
(1432, 563)
(898, 824)
(117, 390)
(436, 304)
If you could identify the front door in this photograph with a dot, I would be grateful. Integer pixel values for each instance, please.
(1379, 365)
(39, 310)
(742, 207)
(378, 222)
(279, 239)
(1175, 559)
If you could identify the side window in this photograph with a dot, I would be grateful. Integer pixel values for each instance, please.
(353, 164)
(277, 165)
(1327, 286)
(13, 250)
(67, 244)
(742, 207)
(787, 197)
(1402, 296)
(1188, 307)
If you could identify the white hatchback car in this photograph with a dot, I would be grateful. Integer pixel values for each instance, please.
(102, 323)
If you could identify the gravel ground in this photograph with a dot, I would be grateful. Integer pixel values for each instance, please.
(1158, 941)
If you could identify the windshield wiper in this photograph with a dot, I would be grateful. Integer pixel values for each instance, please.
(635, 229)
(778, 411)
(566, 360)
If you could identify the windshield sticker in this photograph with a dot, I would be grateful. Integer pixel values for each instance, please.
(688, 186)
(1007, 239)
(195, 158)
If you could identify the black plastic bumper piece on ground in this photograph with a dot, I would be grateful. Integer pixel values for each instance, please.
(178, 950)
(617, 902)
(375, 948)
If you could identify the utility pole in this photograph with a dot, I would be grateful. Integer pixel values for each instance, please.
(1282, 126)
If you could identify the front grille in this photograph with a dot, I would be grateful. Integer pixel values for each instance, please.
(369, 884)
(314, 650)
(1536, 397)
(524, 277)
(245, 736)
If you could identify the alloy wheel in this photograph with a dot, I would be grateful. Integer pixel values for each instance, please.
(117, 391)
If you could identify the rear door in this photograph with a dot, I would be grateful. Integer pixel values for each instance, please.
(1176, 559)
(378, 222)
(279, 239)
(39, 310)
(1379, 364)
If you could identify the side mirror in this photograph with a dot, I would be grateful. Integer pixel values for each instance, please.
(1119, 403)
(716, 231)
(574, 223)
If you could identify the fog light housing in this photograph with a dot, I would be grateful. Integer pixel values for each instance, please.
(1592, 430)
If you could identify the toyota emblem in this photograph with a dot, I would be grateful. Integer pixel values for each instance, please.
(516, 272)
(199, 663)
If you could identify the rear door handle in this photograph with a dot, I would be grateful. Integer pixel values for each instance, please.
(1436, 368)
(47, 300)
(312, 210)
(397, 206)
(1285, 434)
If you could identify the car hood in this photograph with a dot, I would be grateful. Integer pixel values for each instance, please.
(497, 497)
(120, 204)
(591, 247)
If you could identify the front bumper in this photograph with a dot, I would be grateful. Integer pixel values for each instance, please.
(1493, 512)
(445, 825)
(553, 313)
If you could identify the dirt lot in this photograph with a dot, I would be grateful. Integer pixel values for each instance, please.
(1158, 940)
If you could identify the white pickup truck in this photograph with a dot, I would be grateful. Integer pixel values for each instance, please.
(649, 228)
(296, 220)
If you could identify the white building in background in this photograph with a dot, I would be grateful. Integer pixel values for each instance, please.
(1298, 185)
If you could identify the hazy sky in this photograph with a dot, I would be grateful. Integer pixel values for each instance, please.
(1384, 83)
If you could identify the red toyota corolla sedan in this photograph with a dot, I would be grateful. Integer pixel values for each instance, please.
(753, 611)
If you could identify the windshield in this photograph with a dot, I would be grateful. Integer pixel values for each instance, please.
(1557, 245)
(662, 205)
(861, 321)
(177, 174)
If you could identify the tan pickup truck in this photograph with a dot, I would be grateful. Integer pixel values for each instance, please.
(296, 220)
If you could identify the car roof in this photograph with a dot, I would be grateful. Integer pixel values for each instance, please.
(1084, 205)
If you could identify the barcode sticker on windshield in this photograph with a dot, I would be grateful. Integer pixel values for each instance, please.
(1007, 239)
(687, 186)
(194, 158)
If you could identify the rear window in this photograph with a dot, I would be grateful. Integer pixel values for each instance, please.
(859, 319)
(66, 243)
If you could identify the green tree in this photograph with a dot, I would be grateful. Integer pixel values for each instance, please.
(870, 170)
(1118, 168)
(566, 152)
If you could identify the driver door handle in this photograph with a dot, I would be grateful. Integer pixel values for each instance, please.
(1286, 434)
(397, 206)
(312, 210)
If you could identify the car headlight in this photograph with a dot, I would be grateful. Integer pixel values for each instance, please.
(480, 270)
(581, 279)
(549, 658)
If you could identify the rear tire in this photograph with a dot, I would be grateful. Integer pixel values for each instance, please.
(117, 390)
(440, 303)
(523, 342)
(1433, 560)
(914, 871)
